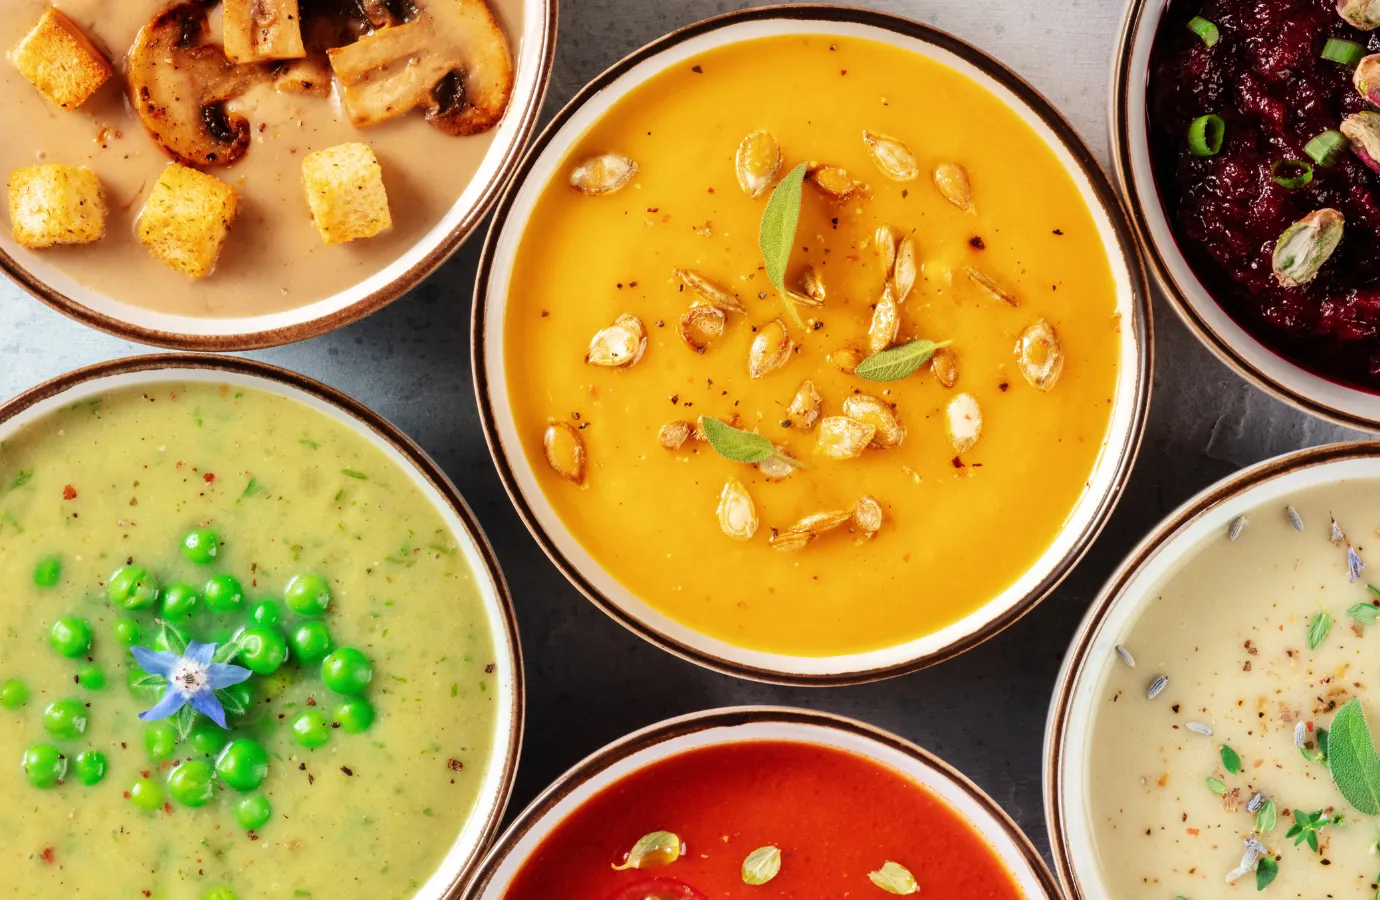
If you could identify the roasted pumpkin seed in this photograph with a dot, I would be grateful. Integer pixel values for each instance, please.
(878, 413)
(799, 299)
(812, 285)
(771, 349)
(789, 541)
(965, 422)
(944, 365)
(867, 515)
(709, 291)
(701, 326)
(620, 345)
(673, 435)
(774, 467)
(602, 174)
(905, 270)
(565, 451)
(835, 182)
(846, 359)
(953, 184)
(892, 156)
(821, 522)
(989, 284)
(843, 438)
(757, 163)
(733, 421)
(886, 320)
(884, 241)
(805, 407)
(1040, 356)
(737, 513)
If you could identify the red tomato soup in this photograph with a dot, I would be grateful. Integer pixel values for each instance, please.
(835, 817)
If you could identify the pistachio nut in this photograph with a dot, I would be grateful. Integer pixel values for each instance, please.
(1305, 246)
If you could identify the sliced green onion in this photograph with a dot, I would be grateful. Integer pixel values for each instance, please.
(1205, 30)
(1292, 173)
(1205, 135)
(1348, 53)
(1327, 148)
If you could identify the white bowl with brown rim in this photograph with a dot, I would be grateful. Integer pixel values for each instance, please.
(493, 363)
(276, 281)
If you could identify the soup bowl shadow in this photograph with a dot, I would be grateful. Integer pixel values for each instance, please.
(491, 363)
(483, 824)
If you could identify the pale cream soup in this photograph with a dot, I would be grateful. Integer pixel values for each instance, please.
(369, 813)
(274, 258)
(1231, 629)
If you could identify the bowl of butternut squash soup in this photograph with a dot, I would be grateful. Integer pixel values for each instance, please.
(1210, 734)
(811, 344)
(254, 644)
(746, 802)
(243, 173)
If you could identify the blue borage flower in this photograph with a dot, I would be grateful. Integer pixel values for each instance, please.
(193, 678)
(1353, 563)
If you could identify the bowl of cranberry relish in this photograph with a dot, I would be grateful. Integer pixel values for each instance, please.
(1249, 152)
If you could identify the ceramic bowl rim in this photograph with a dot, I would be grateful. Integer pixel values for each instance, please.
(361, 417)
(1102, 194)
(541, 32)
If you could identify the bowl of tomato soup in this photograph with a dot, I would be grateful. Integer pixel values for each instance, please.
(750, 801)
(752, 446)
(251, 630)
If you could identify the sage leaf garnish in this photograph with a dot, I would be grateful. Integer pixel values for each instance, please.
(1318, 629)
(1231, 760)
(741, 446)
(660, 848)
(1265, 871)
(1364, 613)
(1266, 819)
(1216, 786)
(901, 361)
(776, 235)
(761, 865)
(894, 878)
(1352, 758)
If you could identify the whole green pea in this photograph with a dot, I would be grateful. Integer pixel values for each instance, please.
(311, 641)
(307, 595)
(127, 631)
(91, 677)
(347, 671)
(266, 613)
(65, 719)
(13, 693)
(44, 765)
(146, 794)
(48, 571)
(208, 738)
(191, 783)
(243, 764)
(70, 637)
(201, 546)
(310, 729)
(219, 893)
(262, 650)
(354, 715)
(224, 594)
(253, 812)
(160, 740)
(180, 600)
(89, 766)
(133, 588)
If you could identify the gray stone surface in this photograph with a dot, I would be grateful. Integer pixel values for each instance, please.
(589, 680)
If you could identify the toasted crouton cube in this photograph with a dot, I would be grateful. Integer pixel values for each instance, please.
(187, 218)
(61, 61)
(345, 191)
(52, 204)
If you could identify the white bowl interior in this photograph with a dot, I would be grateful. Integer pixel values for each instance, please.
(958, 795)
(526, 47)
(1269, 366)
(504, 249)
(493, 792)
(1125, 608)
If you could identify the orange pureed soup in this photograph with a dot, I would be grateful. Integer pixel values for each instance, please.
(763, 819)
(960, 521)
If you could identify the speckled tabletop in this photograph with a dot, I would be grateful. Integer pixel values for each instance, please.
(589, 680)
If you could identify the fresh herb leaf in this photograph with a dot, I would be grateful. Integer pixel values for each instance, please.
(172, 638)
(1352, 758)
(1266, 818)
(1231, 760)
(1216, 786)
(1318, 628)
(660, 848)
(1374, 590)
(231, 701)
(894, 878)
(353, 473)
(1306, 827)
(761, 865)
(895, 363)
(776, 235)
(740, 446)
(1364, 613)
(308, 442)
(249, 488)
(1265, 871)
(185, 717)
(148, 680)
(22, 479)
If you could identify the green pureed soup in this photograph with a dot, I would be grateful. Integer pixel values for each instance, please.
(176, 514)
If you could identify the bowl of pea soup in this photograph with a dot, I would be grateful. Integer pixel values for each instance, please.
(254, 644)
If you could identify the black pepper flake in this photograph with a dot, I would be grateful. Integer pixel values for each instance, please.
(346, 770)
(1003, 386)
(454, 764)
(302, 767)
(958, 462)
(545, 313)
(977, 243)
(1175, 707)
(1058, 232)
(818, 326)
(697, 70)
(489, 668)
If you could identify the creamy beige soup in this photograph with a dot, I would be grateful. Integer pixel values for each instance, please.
(1240, 630)
(274, 259)
(119, 479)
